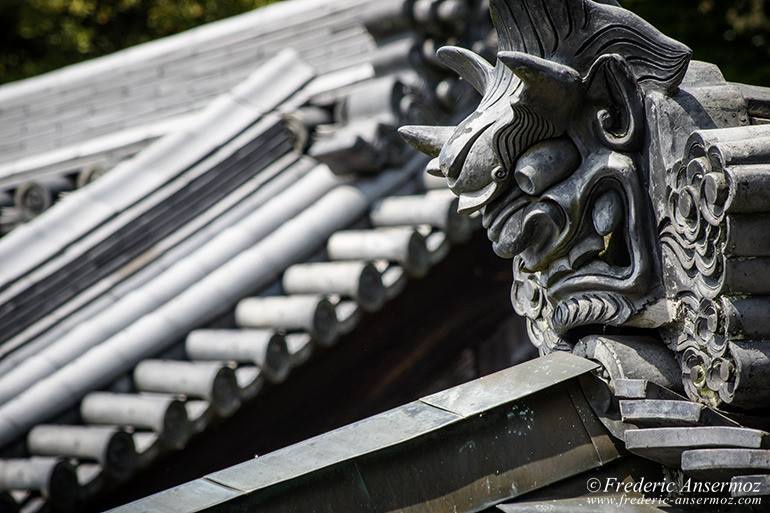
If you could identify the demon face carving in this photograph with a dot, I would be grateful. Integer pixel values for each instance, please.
(552, 158)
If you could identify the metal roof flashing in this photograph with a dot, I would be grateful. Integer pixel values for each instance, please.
(510, 384)
(409, 429)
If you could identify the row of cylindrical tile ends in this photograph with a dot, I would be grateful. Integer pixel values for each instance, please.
(176, 398)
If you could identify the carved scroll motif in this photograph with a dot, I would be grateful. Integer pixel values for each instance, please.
(530, 301)
(715, 241)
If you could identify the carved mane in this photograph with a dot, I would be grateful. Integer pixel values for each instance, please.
(576, 32)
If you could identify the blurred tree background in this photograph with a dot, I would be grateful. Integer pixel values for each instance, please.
(41, 35)
(733, 34)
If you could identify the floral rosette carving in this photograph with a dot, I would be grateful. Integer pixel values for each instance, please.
(693, 239)
(695, 229)
(715, 246)
(708, 369)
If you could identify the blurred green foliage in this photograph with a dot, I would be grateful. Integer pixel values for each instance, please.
(41, 35)
(733, 34)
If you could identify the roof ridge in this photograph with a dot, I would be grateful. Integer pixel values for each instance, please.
(163, 47)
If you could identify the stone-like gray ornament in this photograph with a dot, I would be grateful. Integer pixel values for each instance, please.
(626, 184)
(551, 157)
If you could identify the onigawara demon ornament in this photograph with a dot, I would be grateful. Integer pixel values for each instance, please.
(605, 164)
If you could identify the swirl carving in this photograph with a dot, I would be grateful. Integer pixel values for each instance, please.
(715, 205)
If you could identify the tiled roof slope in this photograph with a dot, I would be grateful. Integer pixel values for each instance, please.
(155, 300)
(64, 129)
(174, 76)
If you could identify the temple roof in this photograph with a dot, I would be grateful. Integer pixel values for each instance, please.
(193, 223)
(172, 247)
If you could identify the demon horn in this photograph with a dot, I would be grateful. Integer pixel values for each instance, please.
(539, 72)
(427, 139)
(469, 65)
